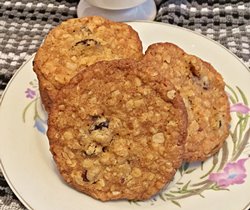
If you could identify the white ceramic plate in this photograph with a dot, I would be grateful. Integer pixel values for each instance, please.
(222, 182)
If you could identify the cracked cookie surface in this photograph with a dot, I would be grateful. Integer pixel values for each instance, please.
(78, 43)
(116, 132)
(202, 89)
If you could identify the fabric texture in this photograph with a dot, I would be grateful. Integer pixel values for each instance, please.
(226, 21)
(23, 26)
(25, 23)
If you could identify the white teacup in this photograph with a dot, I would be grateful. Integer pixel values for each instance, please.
(115, 4)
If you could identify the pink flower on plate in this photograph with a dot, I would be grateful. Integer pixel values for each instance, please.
(233, 173)
(239, 107)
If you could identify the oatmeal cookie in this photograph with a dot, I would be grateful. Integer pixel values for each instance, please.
(202, 89)
(78, 43)
(116, 132)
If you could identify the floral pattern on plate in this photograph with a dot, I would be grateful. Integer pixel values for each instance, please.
(33, 96)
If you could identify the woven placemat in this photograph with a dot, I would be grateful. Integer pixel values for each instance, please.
(226, 21)
(24, 24)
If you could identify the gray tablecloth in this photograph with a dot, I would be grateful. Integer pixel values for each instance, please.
(24, 23)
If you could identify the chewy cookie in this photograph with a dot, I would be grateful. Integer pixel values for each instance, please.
(116, 132)
(202, 89)
(78, 43)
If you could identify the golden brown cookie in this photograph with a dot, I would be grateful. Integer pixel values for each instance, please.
(116, 132)
(202, 89)
(78, 43)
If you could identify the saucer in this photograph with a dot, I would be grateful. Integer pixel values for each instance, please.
(144, 11)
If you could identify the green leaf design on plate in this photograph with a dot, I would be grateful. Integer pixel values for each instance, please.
(176, 203)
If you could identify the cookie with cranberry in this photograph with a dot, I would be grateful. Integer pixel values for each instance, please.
(77, 43)
(116, 132)
(202, 89)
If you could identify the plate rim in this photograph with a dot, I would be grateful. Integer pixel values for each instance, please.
(30, 57)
